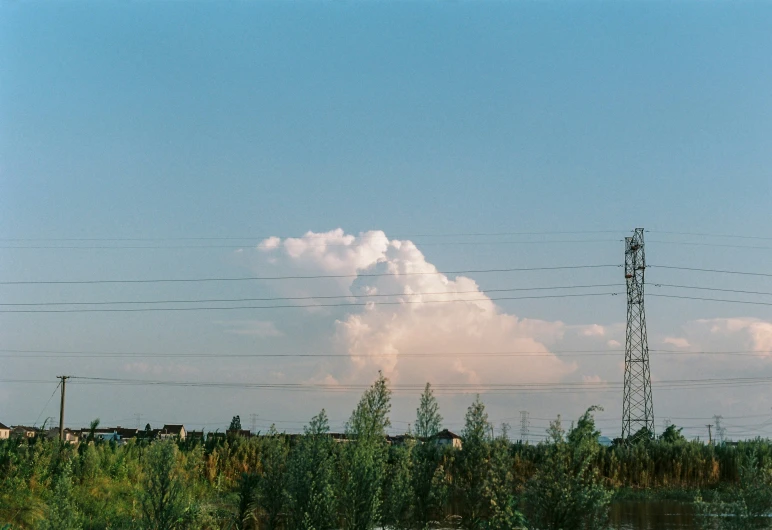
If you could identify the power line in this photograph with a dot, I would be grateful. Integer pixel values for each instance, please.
(394, 236)
(302, 277)
(699, 234)
(691, 243)
(711, 270)
(64, 354)
(322, 244)
(322, 297)
(708, 299)
(297, 306)
(47, 403)
(360, 275)
(317, 235)
(459, 388)
(366, 296)
(765, 293)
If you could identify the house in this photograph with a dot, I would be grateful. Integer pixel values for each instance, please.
(5, 432)
(242, 433)
(70, 436)
(107, 434)
(605, 441)
(172, 431)
(445, 437)
(400, 439)
(196, 436)
(126, 434)
(20, 431)
(215, 436)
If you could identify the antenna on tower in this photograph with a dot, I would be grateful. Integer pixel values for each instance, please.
(637, 405)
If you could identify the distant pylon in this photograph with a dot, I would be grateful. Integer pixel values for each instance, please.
(720, 431)
(637, 406)
(253, 422)
(524, 424)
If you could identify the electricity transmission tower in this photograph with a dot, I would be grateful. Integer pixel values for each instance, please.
(720, 431)
(524, 424)
(637, 406)
(253, 422)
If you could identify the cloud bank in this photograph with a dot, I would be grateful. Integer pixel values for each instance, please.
(413, 310)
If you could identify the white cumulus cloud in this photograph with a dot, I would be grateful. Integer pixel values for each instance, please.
(420, 312)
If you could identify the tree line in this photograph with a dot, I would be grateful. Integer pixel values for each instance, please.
(312, 482)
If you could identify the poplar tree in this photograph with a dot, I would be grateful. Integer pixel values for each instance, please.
(311, 503)
(427, 483)
(364, 458)
(428, 420)
(473, 464)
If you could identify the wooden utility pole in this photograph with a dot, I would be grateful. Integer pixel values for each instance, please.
(64, 379)
(710, 435)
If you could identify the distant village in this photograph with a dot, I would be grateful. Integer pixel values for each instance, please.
(122, 435)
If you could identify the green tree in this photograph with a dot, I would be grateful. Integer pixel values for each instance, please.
(311, 478)
(235, 423)
(398, 498)
(672, 435)
(568, 491)
(473, 465)
(163, 499)
(428, 420)
(744, 507)
(62, 513)
(247, 494)
(273, 461)
(93, 426)
(500, 488)
(428, 500)
(364, 458)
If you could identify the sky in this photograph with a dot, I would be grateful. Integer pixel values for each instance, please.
(412, 149)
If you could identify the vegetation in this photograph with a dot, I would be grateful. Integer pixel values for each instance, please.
(316, 482)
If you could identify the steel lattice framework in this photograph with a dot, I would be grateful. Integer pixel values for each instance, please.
(637, 408)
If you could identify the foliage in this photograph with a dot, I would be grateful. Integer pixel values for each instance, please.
(163, 500)
(235, 423)
(93, 426)
(311, 484)
(398, 496)
(485, 486)
(273, 461)
(672, 435)
(247, 501)
(361, 481)
(62, 513)
(364, 458)
(471, 481)
(568, 492)
(746, 506)
(428, 419)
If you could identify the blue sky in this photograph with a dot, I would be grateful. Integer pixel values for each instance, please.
(252, 119)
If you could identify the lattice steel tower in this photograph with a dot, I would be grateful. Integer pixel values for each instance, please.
(637, 408)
